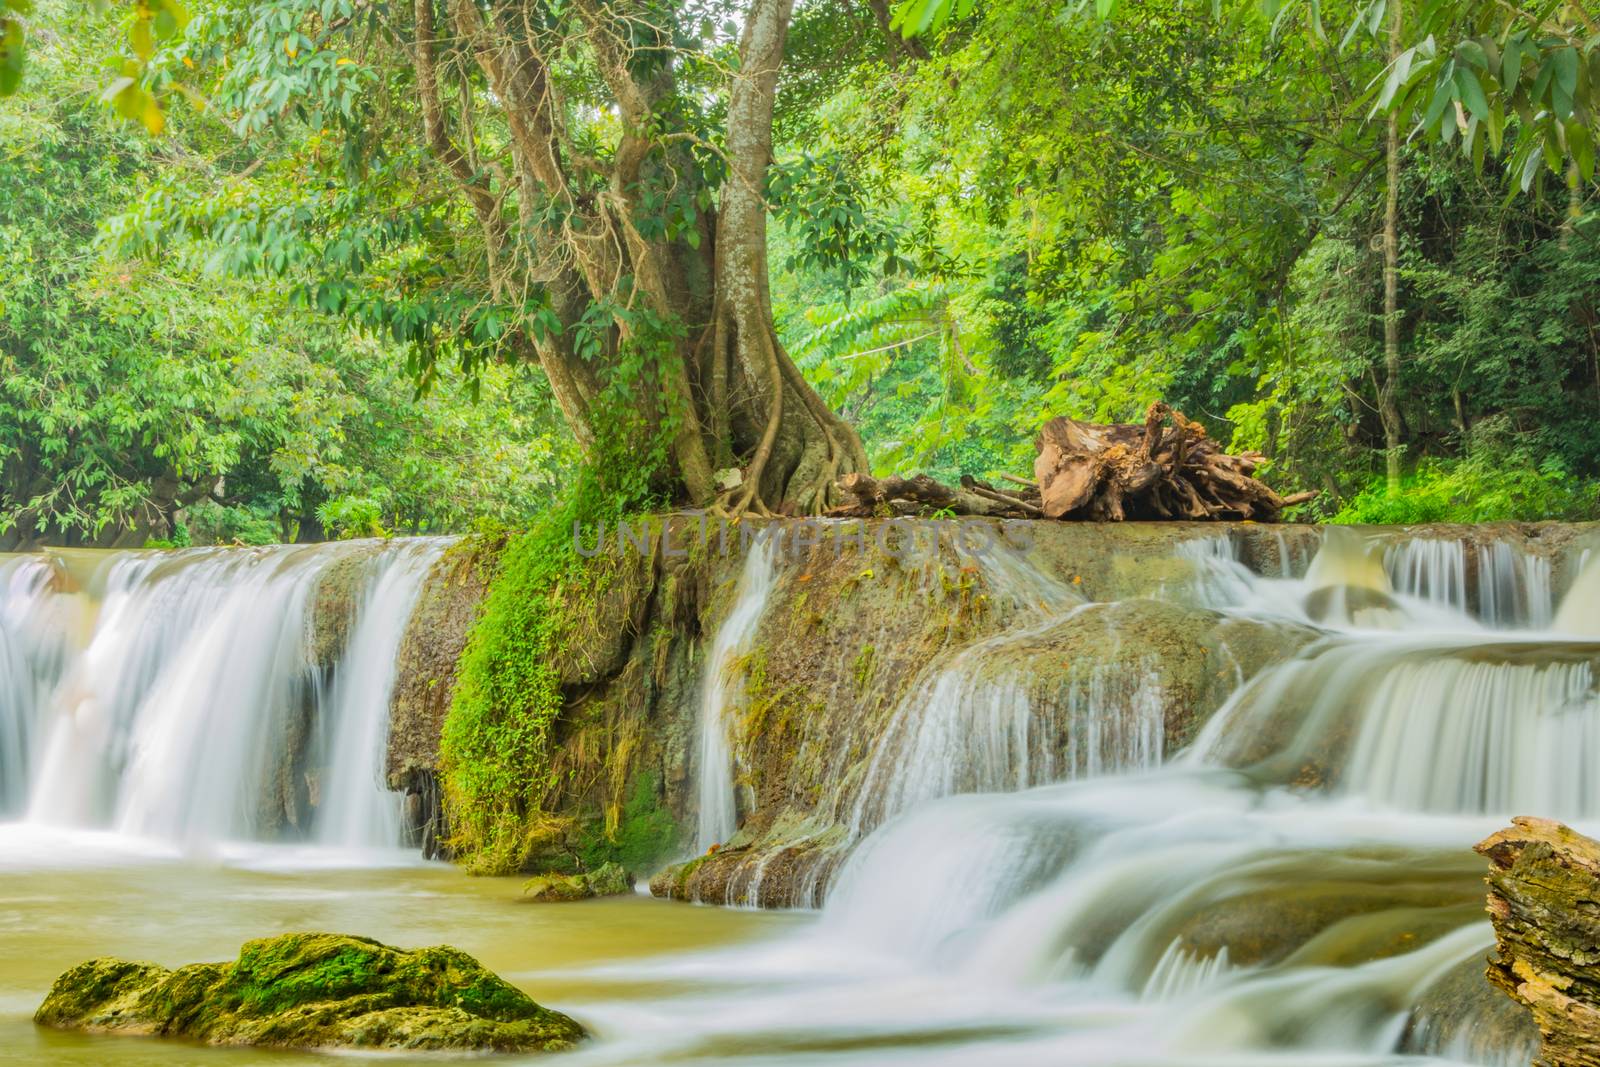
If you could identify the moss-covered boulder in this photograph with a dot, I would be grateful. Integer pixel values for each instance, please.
(610, 880)
(312, 991)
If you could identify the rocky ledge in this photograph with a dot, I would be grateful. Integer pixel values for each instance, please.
(1544, 898)
(313, 991)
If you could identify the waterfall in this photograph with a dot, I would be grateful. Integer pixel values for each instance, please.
(358, 808)
(966, 729)
(1503, 586)
(32, 648)
(1300, 877)
(1420, 725)
(178, 695)
(1513, 587)
(1432, 570)
(721, 692)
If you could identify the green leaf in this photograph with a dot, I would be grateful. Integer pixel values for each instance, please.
(1399, 70)
(1511, 64)
(1443, 93)
(1472, 54)
(1566, 64)
(12, 55)
(1472, 97)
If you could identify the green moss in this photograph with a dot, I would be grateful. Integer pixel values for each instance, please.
(647, 831)
(608, 880)
(498, 739)
(863, 667)
(312, 991)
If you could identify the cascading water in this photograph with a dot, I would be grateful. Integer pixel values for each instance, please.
(1300, 877)
(358, 808)
(34, 625)
(1041, 880)
(721, 687)
(176, 695)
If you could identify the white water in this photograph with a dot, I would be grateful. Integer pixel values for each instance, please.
(358, 808)
(1140, 907)
(722, 694)
(160, 700)
(1369, 764)
(34, 626)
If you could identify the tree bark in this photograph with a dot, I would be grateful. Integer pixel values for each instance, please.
(718, 385)
(1388, 409)
(1544, 900)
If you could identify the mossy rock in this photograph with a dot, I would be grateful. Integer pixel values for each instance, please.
(335, 599)
(312, 991)
(610, 880)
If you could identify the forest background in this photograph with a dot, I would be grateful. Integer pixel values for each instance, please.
(1020, 212)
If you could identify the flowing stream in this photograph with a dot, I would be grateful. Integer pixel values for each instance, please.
(1295, 886)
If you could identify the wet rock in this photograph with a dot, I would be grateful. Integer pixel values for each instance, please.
(609, 880)
(1460, 1016)
(1354, 605)
(1116, 671)
(425, 667)
(1544, 900)
(312, 991)
(1322, 908)
(335, 600)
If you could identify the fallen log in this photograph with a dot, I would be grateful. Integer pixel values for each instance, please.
(866, 496)
(1163, 468)
(1544, 900)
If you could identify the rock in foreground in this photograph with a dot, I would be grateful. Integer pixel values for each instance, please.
(312, 991)
(1544, 898)
(609, 880)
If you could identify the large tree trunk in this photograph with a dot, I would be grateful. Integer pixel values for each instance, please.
(1388, 409)
(714, 380)
(802, 445)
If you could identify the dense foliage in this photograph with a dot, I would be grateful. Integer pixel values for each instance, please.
(997, 218)
(1084, 214)
(164, 398)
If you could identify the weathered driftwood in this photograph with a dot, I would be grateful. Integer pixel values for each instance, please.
(1164, 468)
(865, 496)
(1544, 898)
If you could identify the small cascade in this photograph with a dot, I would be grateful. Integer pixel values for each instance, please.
(1180, 973)
(1438, 726)
(986, 720)
(1220, 580)
(179, 695)
(973, 727)
(1431, 570)
(358, 808)
(1496, 582)
(1513, 588)
(721, 689)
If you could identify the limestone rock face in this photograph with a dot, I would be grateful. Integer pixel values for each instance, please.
(1544, 899)
(312, 991)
